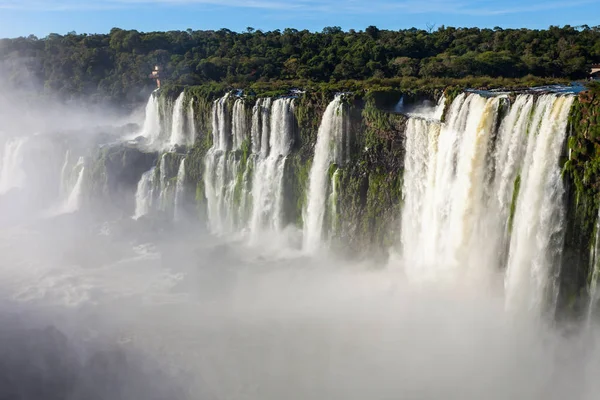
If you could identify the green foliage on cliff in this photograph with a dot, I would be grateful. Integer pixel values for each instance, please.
(113, 173)
(371, 183)
(582, 177)
(114, 67)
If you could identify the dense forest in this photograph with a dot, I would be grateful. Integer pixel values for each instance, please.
(114, 67)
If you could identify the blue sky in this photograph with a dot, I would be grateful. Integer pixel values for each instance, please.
(40, 17)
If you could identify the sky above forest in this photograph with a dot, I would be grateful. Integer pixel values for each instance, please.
(41, 17)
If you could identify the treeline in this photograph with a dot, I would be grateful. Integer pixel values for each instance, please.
(115, 67)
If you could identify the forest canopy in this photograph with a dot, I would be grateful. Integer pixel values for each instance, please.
(114, 67)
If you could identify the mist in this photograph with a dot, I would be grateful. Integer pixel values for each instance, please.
(99, 305)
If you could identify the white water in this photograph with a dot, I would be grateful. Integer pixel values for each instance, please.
(439, 109)
(12, 173)
(177, 127)
(65, 175)
(329, 148)
(238, 124)
(191, 124)
(152, 125)
(444, 190)
(144, 195)
(163, 184)
(221, 168)
(221, 124)
(73, 202)
(261, 117)
(180, 191)
(459, 188)
(539, 220)
(267, 186)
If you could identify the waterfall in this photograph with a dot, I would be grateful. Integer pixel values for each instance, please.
(221, 169)
(419, 178)
(73, 202)
(163, 184)
(330, 146)
(439, 109)
(221, 124)
(333, 201)
(537, 235)
(144, 196)
(152, 125)
(12, 174)
(177, 127)
(64, 175)
(191, 124)
(444, 189)
(482, 194)
(267, 185)
(238, 124)
(180, 191)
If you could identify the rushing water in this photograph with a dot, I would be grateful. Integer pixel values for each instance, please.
(73, 201)
(152, 125)
(144, 196)
(330, 147)
(178, 128)
(180, 191)
(267, 186)
(191, 123)
(12, 173)
(539, 219)
(473, 205)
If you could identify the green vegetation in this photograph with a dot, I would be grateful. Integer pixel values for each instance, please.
(370, 185)
(114, 67)
(582, 177)
(513, 203)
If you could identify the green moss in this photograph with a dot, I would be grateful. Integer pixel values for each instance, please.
(296, 176)
(370, 185)
(581, 173)
(513, 204)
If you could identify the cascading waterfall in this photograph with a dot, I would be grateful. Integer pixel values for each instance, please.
(180, 191)
(249, 195)
(267, 185)
(191, 124)
(163, 184)
(333, 200)
(152, 124)
(73, 202)
(12, 174)
(439, 109)
(144, 195)
(177, 127)
(480, 194)
(238, 124)
(261, 117)
(444, 190)
(222, 165)
(165, 112)
(330, 148)
(65, 174)
(538, 229)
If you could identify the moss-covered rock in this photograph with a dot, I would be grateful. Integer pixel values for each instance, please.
(582, 179)
(113, 174)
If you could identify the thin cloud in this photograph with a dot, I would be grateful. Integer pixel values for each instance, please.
(462, 7)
